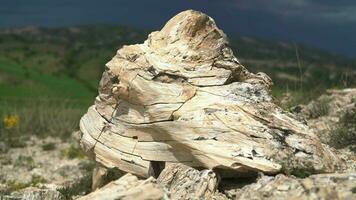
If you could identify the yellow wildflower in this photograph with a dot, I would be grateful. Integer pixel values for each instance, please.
(11, 121)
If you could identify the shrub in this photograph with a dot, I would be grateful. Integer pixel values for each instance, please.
(344, 133)
(49, 147)
(82, 187)
(302, 172)
(296, 168)
(320, 107)
(73, 152)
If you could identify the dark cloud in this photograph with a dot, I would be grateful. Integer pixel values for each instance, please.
(327, 11)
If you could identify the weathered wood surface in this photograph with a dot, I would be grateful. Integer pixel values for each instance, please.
(177, 181)
(182, 96)
(183, 182)
(126, 188)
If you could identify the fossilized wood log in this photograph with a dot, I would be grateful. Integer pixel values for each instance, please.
(177, 181)
(128, 187)
(184, 182)
(182, 96)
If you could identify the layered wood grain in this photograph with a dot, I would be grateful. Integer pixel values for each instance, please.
(183, 97)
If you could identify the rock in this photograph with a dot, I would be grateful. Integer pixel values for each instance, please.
(99, 176)
(183, 182)
(176, 181)
(322, 186)
(128, 187)
(182, 96)
(31, 193)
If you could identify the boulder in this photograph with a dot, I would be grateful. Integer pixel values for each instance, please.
(183, 97)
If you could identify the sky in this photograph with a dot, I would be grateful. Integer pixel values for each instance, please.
(325, 24)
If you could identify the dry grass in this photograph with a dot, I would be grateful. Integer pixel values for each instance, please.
(58, 118)
(320, 107)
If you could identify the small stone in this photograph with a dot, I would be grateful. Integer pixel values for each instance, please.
(308, 184)
(283, 187)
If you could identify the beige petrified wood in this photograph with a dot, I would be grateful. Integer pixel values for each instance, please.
(183, 182)
(183, 97)
(177, 181)
(128, 187)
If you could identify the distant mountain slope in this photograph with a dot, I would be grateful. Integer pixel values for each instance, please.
(19, 81)
(78, 55)
(289, 64)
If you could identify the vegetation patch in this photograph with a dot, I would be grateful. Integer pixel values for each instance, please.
(290, 98)
(16, 141)
(300, 172)
(82, 187)
(304, 171)
(353, 190)
(344, 133)
(25, 161)
(320, 107)
(14, 186)
(73, 152)
(49, 146)
(353, 148)
(22, 118)
(36, 180)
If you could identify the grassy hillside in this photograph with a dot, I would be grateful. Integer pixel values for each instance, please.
(78, 53)
(46, 70)
(81, 52)
(35, 103)
(19, 81)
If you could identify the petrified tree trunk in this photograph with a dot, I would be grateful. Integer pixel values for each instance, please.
(176, 181)
(182, 96)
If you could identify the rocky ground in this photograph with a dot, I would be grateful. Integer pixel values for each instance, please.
(333, 118)
(46, 166)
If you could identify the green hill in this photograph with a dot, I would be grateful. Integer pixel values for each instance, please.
(68, 62)
(20, 81)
